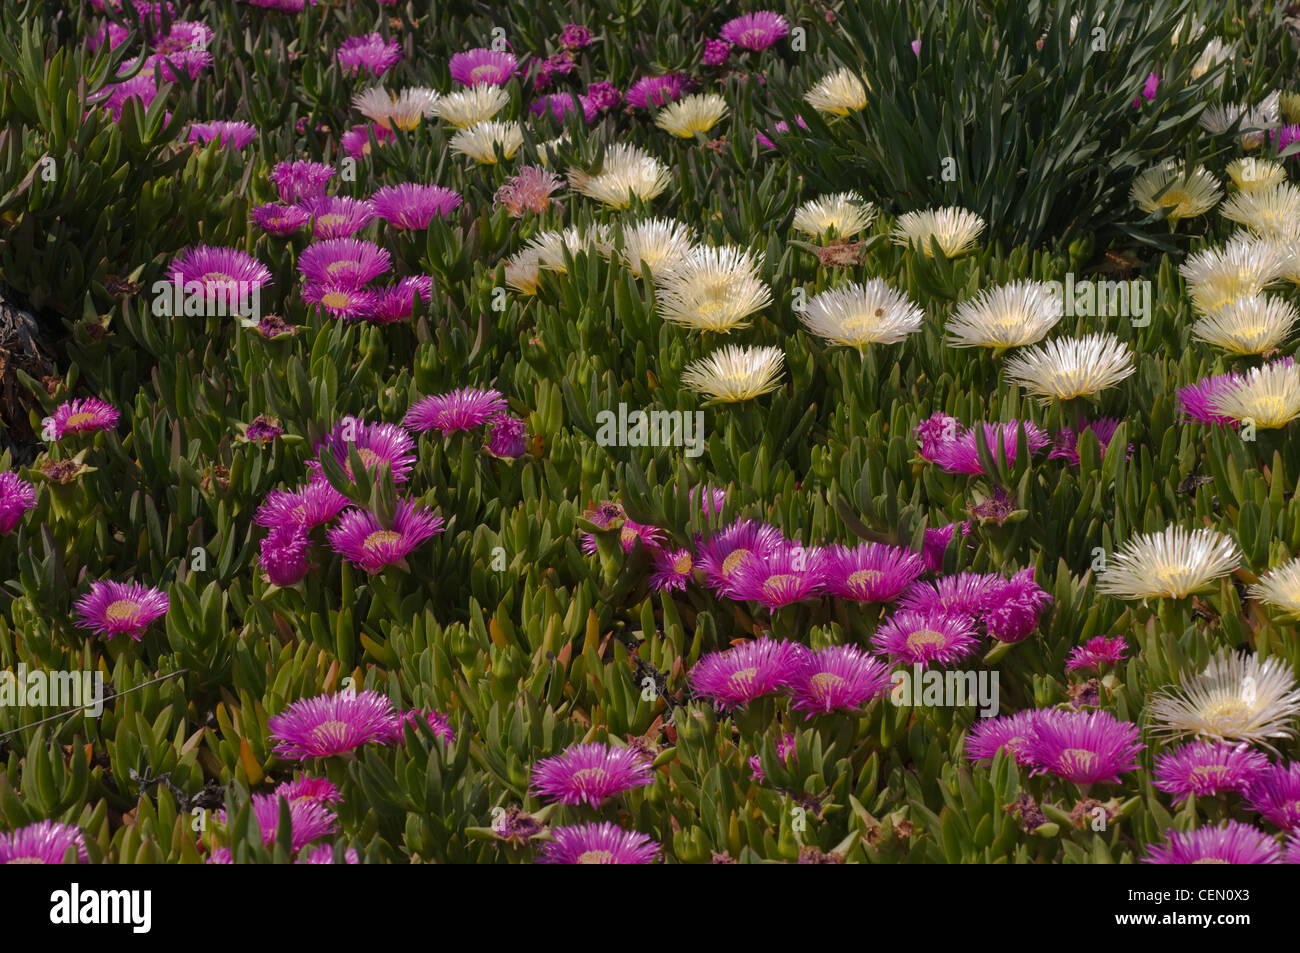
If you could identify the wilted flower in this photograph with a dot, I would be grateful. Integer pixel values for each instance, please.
(284, 555)
(506, 436)
(529, 190)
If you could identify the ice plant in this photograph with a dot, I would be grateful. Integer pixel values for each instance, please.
(590, 773)
(1206, 768)
(841, 215)
(371, 53)
(218, 272)
(1232, 843)
(657, 90)
(712, 289)
(755, 31)
(869, 572)
(1068, 368)
(598, 843)
(1084, 747)
(462, 409)
(336, 217)
(1268, 396)
(1242, 268)
(1271, 213)
(280, 220)
(327, 725)
(838, 93)
(672, 570)
(528, 190)
(375, 444)
(506, 437)
(858, 315)
(1010, 315)
(658, 243)
(722, 555)
(1236, 698)
(1248, 325)
(343, 262)
(486, 141)
(44, 842)
(1171, 186)
(733, 373)
(307, 506)
(475, 67)
(747, 671)
(1065, 445)
(229, 135)
(968, 593)
(1279, 588)
(404, 111)
(308, 820)
(1252, 174)
(466, 107)
(1197, 402)
(626, 172)
(284, 555)
(120, 608)
(962, 454)
(1013, 734)
(920, 638)
(1098, 651)
(1275, 795)
(787, 574)
(1171, 564)
(412, 206)
(362, 540)
(17, 496)
(955, 229)
(838, 677)
(693, 114)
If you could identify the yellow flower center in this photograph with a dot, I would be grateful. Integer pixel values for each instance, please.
(743, 679)
(336, 299)
(380, 538)
(79, 420)
(925, 637)
(123, 610)
(596, 857)
(735, 559)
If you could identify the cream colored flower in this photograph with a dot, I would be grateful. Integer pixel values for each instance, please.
(1250, 174)
(659, 243)
(548, 247)
(839, 93)
(712, 289)
(1243, 267)
(465, 107)
(692, 114)
(1066, 368)
(1268, 396)
(955, 229)
(846, 213)
(523, 271)
(1172, 564)
(1185, 194)
(1237, 698)
(1272, 213)
(626, 172)
(1010, 315)
(403, 111)
(733, 374)
(1250, 325)
(480, 141)
(1280, 588)
(1215, 52)
(857, 315)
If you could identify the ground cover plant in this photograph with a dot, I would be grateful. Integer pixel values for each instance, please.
(637, 431)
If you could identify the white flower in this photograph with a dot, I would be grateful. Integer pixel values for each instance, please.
(626, 171)
(734, 373)
(838, 94)
(845, 212)
(1250, 325)
(712, 289)
(955, 229)
(466, 107)
(1010, 315)
(692, 114)
(1172, 564)
(1237, 698)
(857, 315)
(1066, 368)
(480, 141)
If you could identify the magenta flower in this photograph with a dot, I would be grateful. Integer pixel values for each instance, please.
(110, 33)
(658, 90)
(1284, 136)
(342, 301)
(343, 262)
(308, 820)
(919, 638)
(575, 37)
(870, 572)
(375, 443)
(711, 499)
(231, 135)
(838, 677)
(785, 750)
(1096, 652)
(307, 506)
(561, 104)
(589, 773)
(321, 790)
(219, 272)
(1148, 90)
(962, 454)
(370, 53)
(1013, 733)
(262, 429)
(301, 180)
(337, 217)
(780, 126)
(438, 723)
(790, 573)
(1275, 795)
(1012, 612)
(397, 302)
(83, 416)
(598, 843)
(1199, 402)
(327, 854)
(1233, 843)
(280, 220)
(935, 432)
(331, 724)
(284, 553)
(755, 31)
(672, 570)
(483, 66)
(170, 67)
(360, 538)
(561, 64)
(968, 593)
(715, 52)
(936, 544)
(1084, 747)
(185, 35)
(17, 496)
(462, 409)
(1066, 444)
(44, 842)
(506, 436)
(1206, 768)
(529, 190)
(722, 556)
(356, 141)
(116, 608)
(142, 87)
(747, 671)
(413, 206)
(602, 96)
